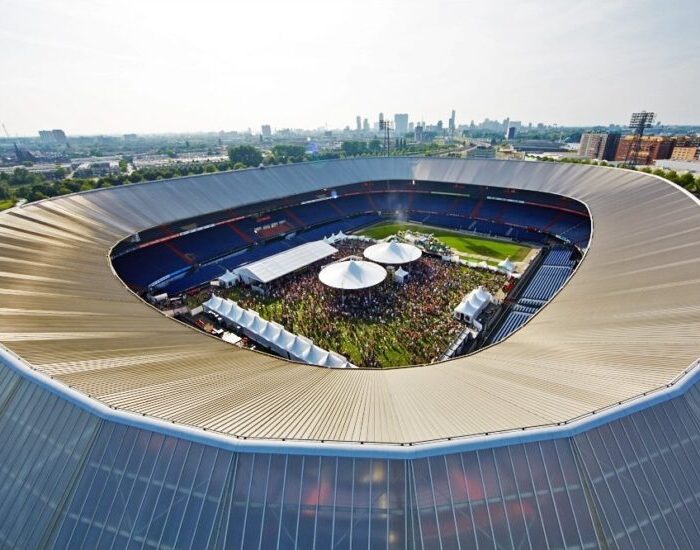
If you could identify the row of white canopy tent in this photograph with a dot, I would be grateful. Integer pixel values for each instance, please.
(340, 236)
(273, 335)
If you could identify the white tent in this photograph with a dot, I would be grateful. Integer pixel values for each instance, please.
(335, 237)
(506, 266)
(300, 348)
(352, 275)
(392, 253)
(273, 335)
(275, 266)
(453, 258)
(228, 279)
(231, 338)
(283, 342)
(272, 331)
(472, 305)
(400, 275)
(337, 361)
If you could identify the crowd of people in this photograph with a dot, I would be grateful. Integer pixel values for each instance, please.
(390, 324)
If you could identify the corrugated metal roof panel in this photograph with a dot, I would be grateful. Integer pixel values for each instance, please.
(626, 323)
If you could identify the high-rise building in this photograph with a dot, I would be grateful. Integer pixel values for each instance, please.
(358, 123)
(651, 148)
(266, 131)
(57, 135)
(401, 123)
(598, 145)
(451, 123)
(419, 132)
(510, 133)
(686, 148)
(365, 125)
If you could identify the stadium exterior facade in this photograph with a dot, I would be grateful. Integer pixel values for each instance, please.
(120, 427)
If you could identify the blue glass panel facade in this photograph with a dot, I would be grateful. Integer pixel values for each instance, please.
(644, 477)
(44, 440)
(71, 480)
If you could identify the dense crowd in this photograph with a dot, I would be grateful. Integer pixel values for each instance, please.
(388, 325)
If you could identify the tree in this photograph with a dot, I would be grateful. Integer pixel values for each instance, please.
(353, 148)
(5, 192)
(284, 154)
(686, 180)
(672, 175)
(245, 154)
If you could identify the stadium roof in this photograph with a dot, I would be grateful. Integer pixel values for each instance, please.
(626, 324)
(276, 266)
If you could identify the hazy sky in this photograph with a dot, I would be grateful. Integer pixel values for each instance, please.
(100, 66)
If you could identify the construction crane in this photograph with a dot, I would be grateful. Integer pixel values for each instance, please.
(21, 153)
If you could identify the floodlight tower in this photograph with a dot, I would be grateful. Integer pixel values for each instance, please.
(638, 123)
(385, 125)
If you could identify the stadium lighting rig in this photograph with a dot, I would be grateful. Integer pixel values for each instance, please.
(638, 123)
(386, 127)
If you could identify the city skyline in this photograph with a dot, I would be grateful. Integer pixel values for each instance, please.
(166, 68)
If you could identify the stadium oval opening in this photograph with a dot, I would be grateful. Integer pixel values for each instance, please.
(372, 275)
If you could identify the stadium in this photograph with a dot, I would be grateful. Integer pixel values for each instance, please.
(572, 421)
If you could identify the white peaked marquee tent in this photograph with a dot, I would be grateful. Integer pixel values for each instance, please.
(392, 253)
(352, 275)
(506, 266)
(228, 279)
(273, 335)
(472, 305)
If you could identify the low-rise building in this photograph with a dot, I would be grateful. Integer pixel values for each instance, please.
(96, 169)
(650, 149)
(481, 152)
(684, 153)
